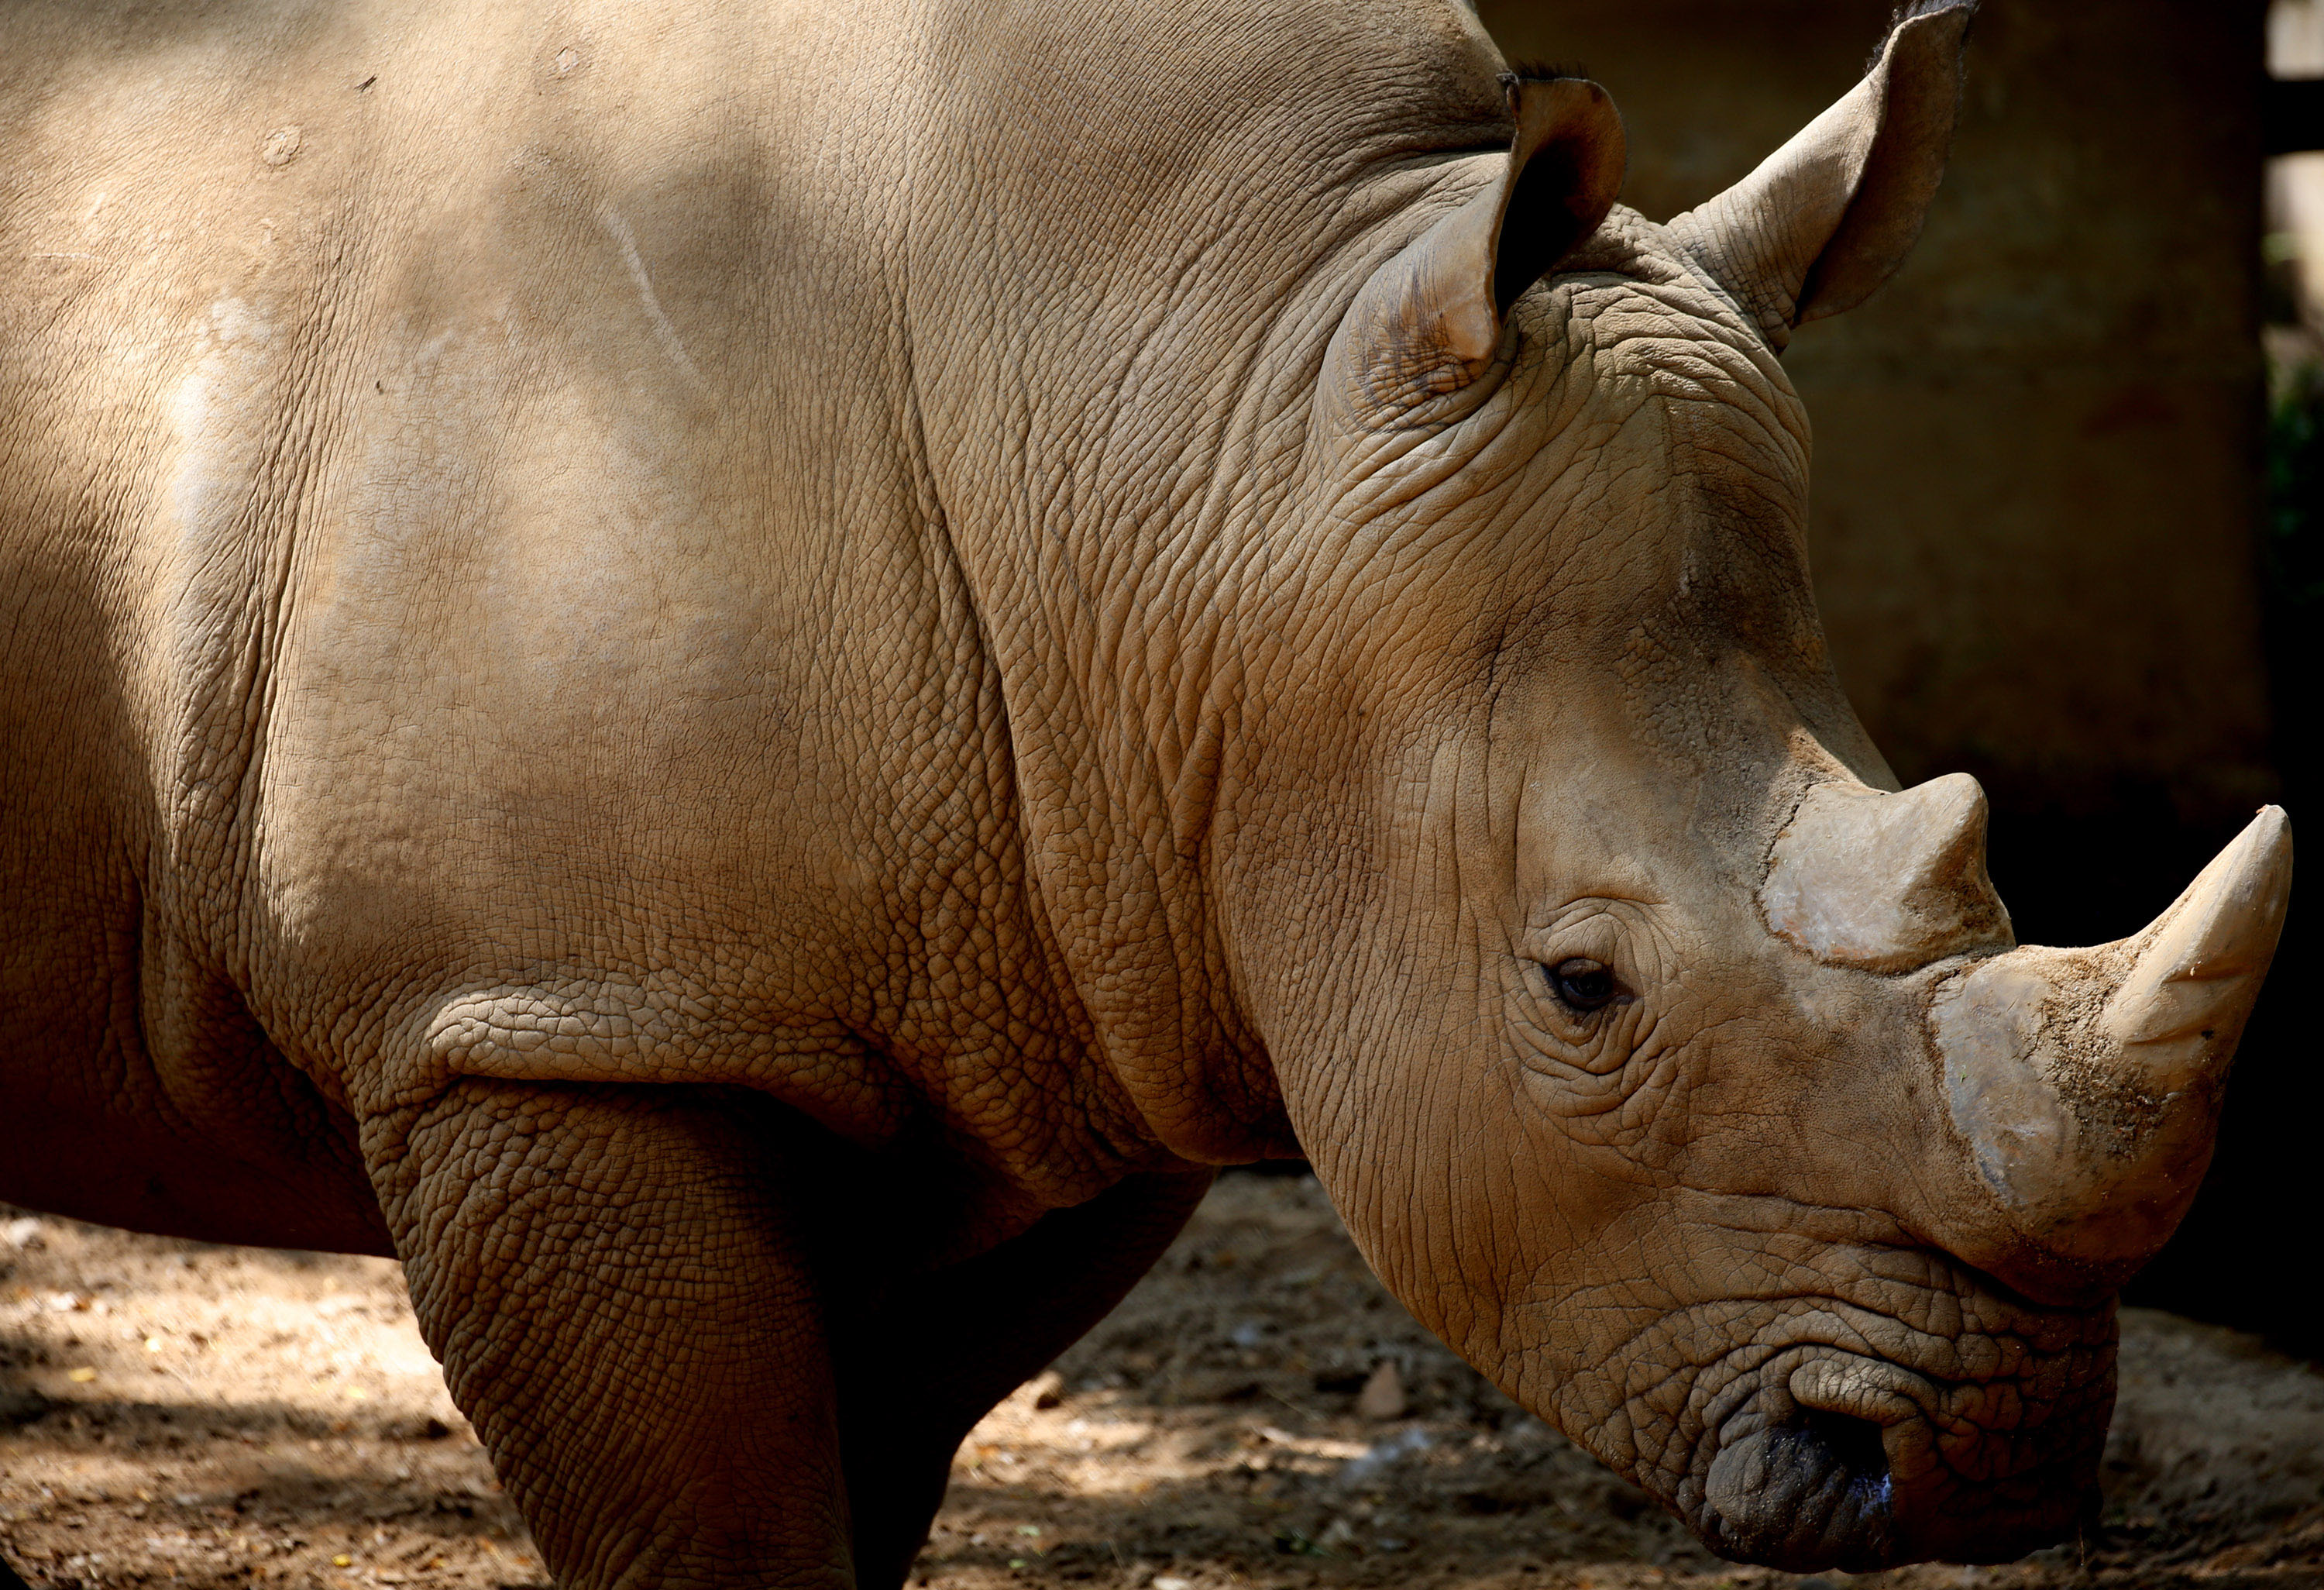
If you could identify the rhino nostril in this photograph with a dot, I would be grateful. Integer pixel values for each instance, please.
(1813, 1492)
(1852, 1446)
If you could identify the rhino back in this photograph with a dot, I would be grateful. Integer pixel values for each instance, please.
(464, 448)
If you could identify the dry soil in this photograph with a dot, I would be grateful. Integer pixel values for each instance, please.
(1259, 1415)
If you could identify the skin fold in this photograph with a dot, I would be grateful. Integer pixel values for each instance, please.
(748, 679)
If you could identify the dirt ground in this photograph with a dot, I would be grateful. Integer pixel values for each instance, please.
(229, 1417)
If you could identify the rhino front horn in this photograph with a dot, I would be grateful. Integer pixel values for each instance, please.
(2087, 1082)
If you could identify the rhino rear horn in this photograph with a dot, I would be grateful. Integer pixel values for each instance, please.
(1430, 320)
(1886, 881)
(1830, 215)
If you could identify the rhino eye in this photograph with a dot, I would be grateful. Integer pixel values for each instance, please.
(1581, 985)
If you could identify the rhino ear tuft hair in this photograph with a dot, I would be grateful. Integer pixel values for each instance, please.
(1832, 215)
(1430, 320)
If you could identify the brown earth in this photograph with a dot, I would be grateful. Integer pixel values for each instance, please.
(230, 1417)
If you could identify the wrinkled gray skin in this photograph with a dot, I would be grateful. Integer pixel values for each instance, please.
(746, 679)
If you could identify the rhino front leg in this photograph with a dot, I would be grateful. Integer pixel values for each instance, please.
(621, 1307)
(921, 1360)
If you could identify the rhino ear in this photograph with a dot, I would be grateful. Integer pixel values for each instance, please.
(1430, 320)
(1830, 215)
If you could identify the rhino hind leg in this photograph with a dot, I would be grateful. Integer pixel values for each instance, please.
(922, 1359)
(622, 1309)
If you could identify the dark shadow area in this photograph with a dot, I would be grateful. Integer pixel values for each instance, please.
(269, 1483)
(281, 1491)
(1281, 1518)
(220, 1417)
(2089, 877)
(2242, 1257)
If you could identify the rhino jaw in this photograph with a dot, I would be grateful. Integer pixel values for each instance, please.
(2087, 1083)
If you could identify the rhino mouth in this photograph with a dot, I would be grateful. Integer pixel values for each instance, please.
(1842, 1462)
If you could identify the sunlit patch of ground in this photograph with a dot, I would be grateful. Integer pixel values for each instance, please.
(176, 1413)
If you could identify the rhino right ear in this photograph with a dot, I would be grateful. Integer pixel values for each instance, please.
(1830, 215)
(1430, 320)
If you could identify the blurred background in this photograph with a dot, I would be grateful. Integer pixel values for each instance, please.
(2069, 477)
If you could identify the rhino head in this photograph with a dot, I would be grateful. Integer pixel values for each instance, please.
(1663, 1057)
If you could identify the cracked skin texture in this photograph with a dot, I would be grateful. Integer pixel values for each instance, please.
(747, 678)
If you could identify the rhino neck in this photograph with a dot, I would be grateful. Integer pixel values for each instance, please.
(1112, 370)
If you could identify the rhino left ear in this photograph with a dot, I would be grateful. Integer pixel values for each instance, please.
(1830, 215)
(1430, 320)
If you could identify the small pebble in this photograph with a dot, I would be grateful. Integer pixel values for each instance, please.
(1383, 1395)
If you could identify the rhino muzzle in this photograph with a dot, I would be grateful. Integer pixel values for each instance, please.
(2085, 1084)
(1854, 1464)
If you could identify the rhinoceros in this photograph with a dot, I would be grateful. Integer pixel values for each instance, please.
(747, 679)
